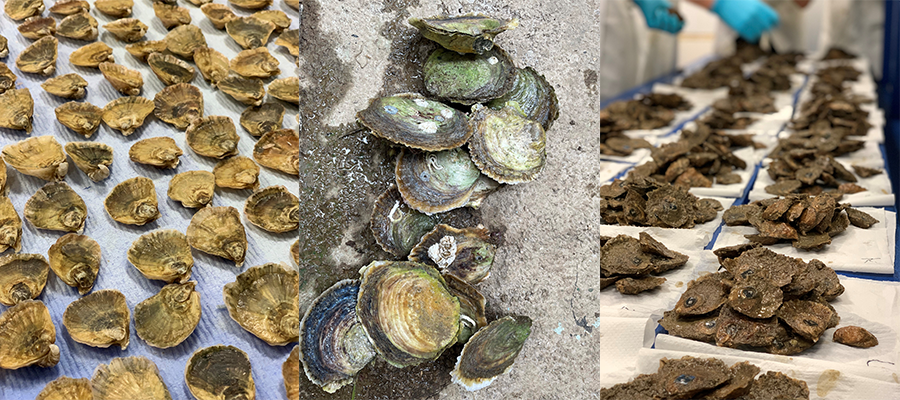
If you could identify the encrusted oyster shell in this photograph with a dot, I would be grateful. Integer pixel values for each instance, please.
(506, 146)
(82, 117)
(39, 156)
(81, 26)
(397, 227)
(218, 231)
(93, 158)
(115, 8)
(16, 109)
(100, 319)
(259, 120)
(213, 136)
(56, 207)
(170, 70)
(249, 32)
(193, 189)
(218, 14)
(39, 57)
(92, 55)
(10, 225)
(129, 378)
(265, 300)
(534, 97)
(68, 86)
(127, 29)
(464, 253)
(274, 209)
(279, 149)
(75, 259)
(211, 63)
(468, 78)
(171, 15)
(27, 336)
(160, 152)
(169, 317)
(237, 172)
(183, 40)
(22, 277)
(143, 49)
(162, 255)
(37, 27)
(255, 63)
(133, 202)
(436, 182)
(126, 114)
(179, 105)
(127, 81)
(491, 352)
(220, 372)
(470, 33)
(250, 91)
(65, 388)
(411, 120)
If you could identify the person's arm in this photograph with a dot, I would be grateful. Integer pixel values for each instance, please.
(749, 18)
(657, 14)
(801, 3)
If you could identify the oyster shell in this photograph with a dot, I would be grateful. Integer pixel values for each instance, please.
(183, 40)
(468, 78)
(162, 255)
(295, 4)
(220, 372)
(179, 105)
(127, 29)
(411, 120)
(255, 63)
(75, 259)
(464, 253)
(295, 251)
(115, 8)
(855, 336)
(39, 156)
(27, 336)
(81, 26)
(56, 207)
(3, 179)
(68, 86)
(470, 33)
(279, 149)
(237, 172)
(65, 388)
(171, 15)
(100, 319)
(22, 277)
(4, 50)
(334, 345)
(169, 317)
(193, 189)
(82, 117)
(37, 27)
(218, 14)
(133, 202)
(471, 307)
(533, 95)
(94, 158)
(7, 78)
(505, 146)
(249, 32)
(276, 17)
(218, 231)
(212, 64)
(491, 352)
(251, 4)
(213, 136)
(69, 7)
(290, 371)
(158, 151)
(126, 114)
(169, 69)
(129, 378)
(397, 227)
(274, 209)
(141, 50)
(21, 9)
(290, 39)
(16, 109)
(127, 81)
(92, 55)
(250, 91)
(265, 300)
(436, 182)
(259, 120)
(39, 57)
(10, 226)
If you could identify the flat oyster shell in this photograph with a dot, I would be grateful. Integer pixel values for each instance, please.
(82, 117)
(468, 78)
(162, 255)
(7, 78)
(464, 253)
(75, 259)
(249, 32)
(56, 207)
(290, 39)
(470, 33)
(290, 372)
(689, 376)
(167, 318)
(125, 80)
(65, 388)
(491, 352)
(10, 225)
(141, 50)
(265, 300)
(115, 8)
(16, 109)
(703, 296)
(255, 63)
(37, 27)
(259, 120)
(533, 95)
(218, 14)
(179, 105)
(505, 146)
(133, 202)
(171, 15)
(68, 86)
(184, 40)
(39, 156)
(39, 57)
(218, 231)
(411, 120)
(127, 29)
(93, 158)
(436, 182)
(397, 228)
(286, 89)
(809, 319)
(211, 63)
(169, 69)
(81, 26)
(27, 336)
(92, 55)
(129, 378)
(855, 336)
(237, 172)
(22, 277)
(69, 7)
(250, 91)
(251, 4)
(100, 319)
(159, 151)
(21, 9)
(273, 209)
(193, 189)
(279, 150)
(213, 136)
(220, 372)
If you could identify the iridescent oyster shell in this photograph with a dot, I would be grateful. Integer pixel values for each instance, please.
(27, 336)
(93, 158)
(56, 207)
(464, 253)
(7, 78)
(81, 26)
(82, 117)
(141, 50)
(21, 9)
(39, 156)
(276, 17)
(193, 189)
(491, 352)
(133, 202)
(290, 372)
(468, 78)
(183, 40)
(69, 7)
(162, 255)
(169, 317)
(92, 55)
(75, 259)
(22, 277)
(249, 32)
(37, 27)
(218, 14)
(126, 80)
(274, 209)
(470, 33)
(259, 120)
(212, 64)
(127, 29)
(65, 388)
(10, 225)
(397, 227)
(158, 151)
(411, 120)
(436, 182)
(171, 15)
(471, 307)
(237, 172)
(170, 70)
(16, 109)
(286, 89)
(506, 146)
(250, 91)
(68, 86)
(214, 136)
(220, 372)
(279, 150)
(290, 39)
(39, 57)
(255, 63)
(265, 300)
(179, 105)
(100, 319)
(129, 378)
(218, 231)
(115, 8)
(533, 95)
(126, 114)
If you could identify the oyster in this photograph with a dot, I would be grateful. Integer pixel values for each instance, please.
(334, 345)
(92, 55)
(37, 27)
(75, 259)
(505, 146)
(199, 3)
(21, 9)
(290, 39)
(464, 253)
(127, 81)
(411, 120)
(126, 114)
(533, 95)
(3, 178)
(249, 91)
(273, 209)
(93, 158)
(212, 64)
(81, 26)
(171, 15)
(471, 307)
(179, 105)
(251, 4)
(436, 182)
(855, 336)
(860, 219)
(193, 189)
(143, 49)
(276, 17)
(83, 118)
(397, 227)
(65, 388)
(39, 156)
(162, 255)
(167, 318)
(158, 151)
(27, 336)
(100, 319)
(213, 136)
(491, 352)
(22, 277)
(115, 8)
(703, 296)
(265, 300)
(470, 33)
(133, 202)
(68, 86)
(220, 372)
(249, 32)
(69, 7)
(10, 226)
(16, 109)
(255, 63)
(4, 50)
(218, 14)
(390, 295)
(129, 378)
(279, 149)
(259, 120)
(468, 78)
(236, 172)
(290, 371)
(295, 4)
(169, 69)
(218, 231)
(295, 251)
(7, 78)
(127, 29)
(183, 40)
(56, 207)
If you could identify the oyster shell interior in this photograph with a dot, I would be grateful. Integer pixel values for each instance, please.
(57, 207)
(129, 378)
(39, 156)
(158, 151)
(162, 255)
(179, 105)
(491, 351)
(276, 17)
(259, 120)
(37, 27)
(169, 317)
(286, 89)
(16, 109)
(82, 117)
(218, 231)
(280, 150)
(436, 182)
(265, 300)
(68, 86)
(274, 209)
(250, 91)
(127, 29)
(169, 69)
(193, 189)
(65, 388)
(171, 15)
(27, 336)
(218, 14)
(133, 202)
(213, 136)
(69, 7)
(290, 40)
(22, 277)
(75, 259)
(7, 78)
(215, 371)
(237, 172)
(21, 9)
(141, 50)
(81, 26)
(93, 158)
(126, 114)
(100, 319)
(255, 63)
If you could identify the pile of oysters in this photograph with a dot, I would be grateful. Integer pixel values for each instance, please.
(631, 263)
(650, 111)
(806, 172)
(642, 200)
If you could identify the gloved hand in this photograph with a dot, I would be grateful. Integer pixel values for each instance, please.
(658, 17)
(750, 18)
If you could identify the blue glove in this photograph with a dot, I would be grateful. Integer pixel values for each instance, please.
(657, 14)
(750, 18)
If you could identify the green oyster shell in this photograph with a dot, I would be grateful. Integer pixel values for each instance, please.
(464, 253)
(506, 146)
(491, 352)
(436, 182)
(397, 227)
(534, 96)
(411, 120)
(468, 78)
(471, 307)
(470, 33)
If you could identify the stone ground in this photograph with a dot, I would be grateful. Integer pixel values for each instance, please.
(547, 265)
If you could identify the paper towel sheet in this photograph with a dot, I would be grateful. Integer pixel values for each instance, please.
(621, 337)
(635, 156)
(878, 189)
(610, 169)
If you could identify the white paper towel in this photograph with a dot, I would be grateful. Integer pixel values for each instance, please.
(878, 188)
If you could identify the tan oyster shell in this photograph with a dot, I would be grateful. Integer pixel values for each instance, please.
(27, 336)
(75, 259)
(65, 388)
(237, 172)
(249, 32)
(81, 26)
(129, 378)
(37, 27)
(21, 9)
(179, 105)
(212, 64)
(218, 14)
(56, 207)
(40, 156)
(183, 40)
(3, 178)
(290, 39)
(94, 158)
(170, 70)
(4, 49)
(162, 255)
(7, 78)
(213, 136)
(171, 15)
(295, 4)
(22, 277)
(251, 4)
(295, 251)
(82, 117)
(217, 370)
(127, 29)
(199, 3)
(100, 319)
(259, 120)
(143, 49)
(255, 63)
(92, 55)
(69, 7)
(287, 89)
(127, 81)
(249, 91)
(133, 202)
(279, 150)
(274, 209)
(276, 17)
(115, 8)
(16, 109)
(194, 189)
(290, 372)
(218, 231)
(160, 152)
(265, 300)
(10, 226)
(167, 318)
(39, 57)
(126, 114)
(68, 86)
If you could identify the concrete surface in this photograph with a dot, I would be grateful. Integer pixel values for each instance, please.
(547, 266)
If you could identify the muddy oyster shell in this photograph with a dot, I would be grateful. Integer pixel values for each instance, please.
(265, 300)
(533, 95)
(183, 40)
(22, 277)
(491, 352)
(471, 33)
(126, 114)
(464, 253)
(436, 182)
(162, 255)
(171, 15)
(237, 172)
(10, 226)
(193, 189)
(259, 120)
(397, 227)
(100, 319)
(65, 388)
(468, 78)
(92, 55)
(179, 105)
(7, 78)
(471, 307)
(251, 4)
(68, 86)
(212, 64)
(129, 378)
(169, 69)
(127, 29)
(506, 146)
(143, 49)
(220, 372)
(290, 39)
(75, 259)
(411, 120)
(218, 231)
(279, 150)
(213, 136)
(27, 336)
(82, 117)
(37, 27)
(69, 7)
(56, 207)
(39, 57)
(21, 9)
(334, 345)
(249, 32)
(255, 63)
(250, 91)
(127, 81)
(115, 8)
(290, 372)
(16, 109)
(169, 317)
(93, 158)
(133, 202)
(158, 151)
(39, 156)
(218, 14)
(274, 209)
(81, 26)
